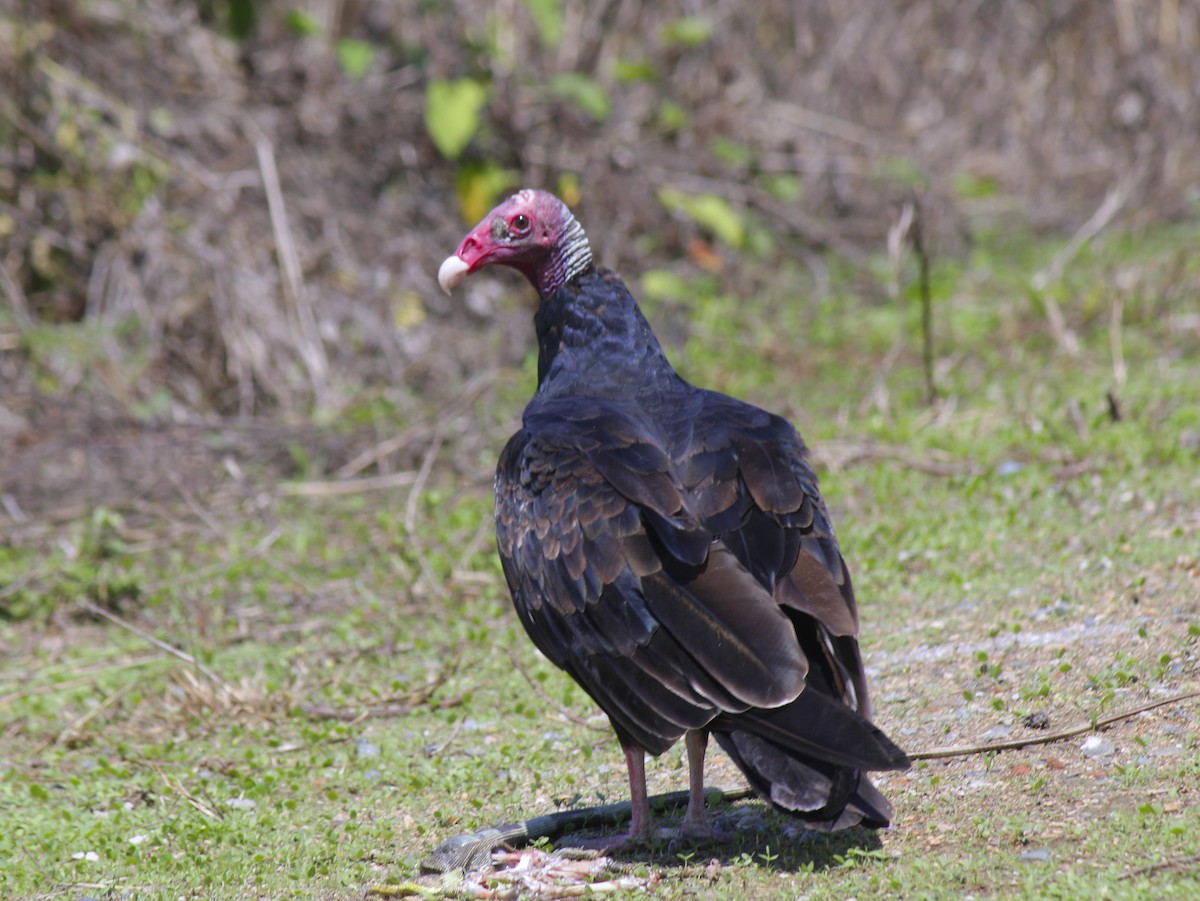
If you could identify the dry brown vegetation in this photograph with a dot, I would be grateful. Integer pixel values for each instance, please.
(267, 226)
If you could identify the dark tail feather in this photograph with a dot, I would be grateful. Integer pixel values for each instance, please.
(807, 758)
(822, 795)
(820, 727)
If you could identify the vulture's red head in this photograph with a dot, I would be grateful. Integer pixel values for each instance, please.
(532, 232)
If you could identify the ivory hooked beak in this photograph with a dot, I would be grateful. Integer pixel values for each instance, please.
(452, 271)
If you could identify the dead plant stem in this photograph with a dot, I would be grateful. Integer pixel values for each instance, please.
(1018, 743)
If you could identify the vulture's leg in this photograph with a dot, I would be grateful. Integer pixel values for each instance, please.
(695, 822)
(639, 800)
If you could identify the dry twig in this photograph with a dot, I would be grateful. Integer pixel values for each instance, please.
(1171, 863)
(349, 486)
(562, 711)
(1018, 743)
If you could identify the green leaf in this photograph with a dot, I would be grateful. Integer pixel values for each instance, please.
(782, 186)
(241, 18)
(974, 187)
(689, 31)
(355, 56)
(547, 15)
(709, 211)
(663, 284)
(452, 113)
(301, 22)
(672, 117)
(731, 152)
(568, 188)
(627, 70)
(587, 94)
(902, 170)
(479, 185)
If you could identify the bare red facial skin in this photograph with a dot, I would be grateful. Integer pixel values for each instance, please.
(519, 233)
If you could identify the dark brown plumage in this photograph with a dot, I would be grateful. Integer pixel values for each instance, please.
(668, 547)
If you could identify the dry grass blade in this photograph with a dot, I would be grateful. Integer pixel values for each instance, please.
(187, 658)
(187, 796)
(72, 729)
(28, 692)
(414, 494)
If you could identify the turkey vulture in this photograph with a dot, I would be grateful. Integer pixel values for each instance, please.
(668, 547)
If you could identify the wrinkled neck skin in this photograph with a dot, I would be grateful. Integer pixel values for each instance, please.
(570, 257)
(593, 341)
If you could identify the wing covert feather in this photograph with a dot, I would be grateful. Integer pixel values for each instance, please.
(657, 559)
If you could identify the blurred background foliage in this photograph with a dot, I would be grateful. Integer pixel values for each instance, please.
(236, 208)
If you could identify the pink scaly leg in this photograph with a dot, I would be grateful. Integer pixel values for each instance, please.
(639, 820)
(695, 822)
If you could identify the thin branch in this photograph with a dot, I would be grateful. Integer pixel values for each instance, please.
(1043, 278)
(414, 494)
(1018, 743)
(157, 642)
(420, 432)
(842, 454)
(916, 235)
(1109, 207)
(389, 707)
(541, 693)
(1186, 860)
(1120, 371)
(350, 486)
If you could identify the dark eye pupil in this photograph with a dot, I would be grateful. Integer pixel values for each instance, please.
(521, 221)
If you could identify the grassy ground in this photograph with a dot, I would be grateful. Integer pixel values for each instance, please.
(264, 691)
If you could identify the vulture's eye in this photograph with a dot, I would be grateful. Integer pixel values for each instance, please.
(520, 223)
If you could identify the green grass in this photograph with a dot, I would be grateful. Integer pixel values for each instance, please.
(371, 692)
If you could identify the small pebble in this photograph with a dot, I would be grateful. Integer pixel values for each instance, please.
(1037, 720)
(1038, 855)
(1167, 751)
(366, 749)
(1095, 746)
